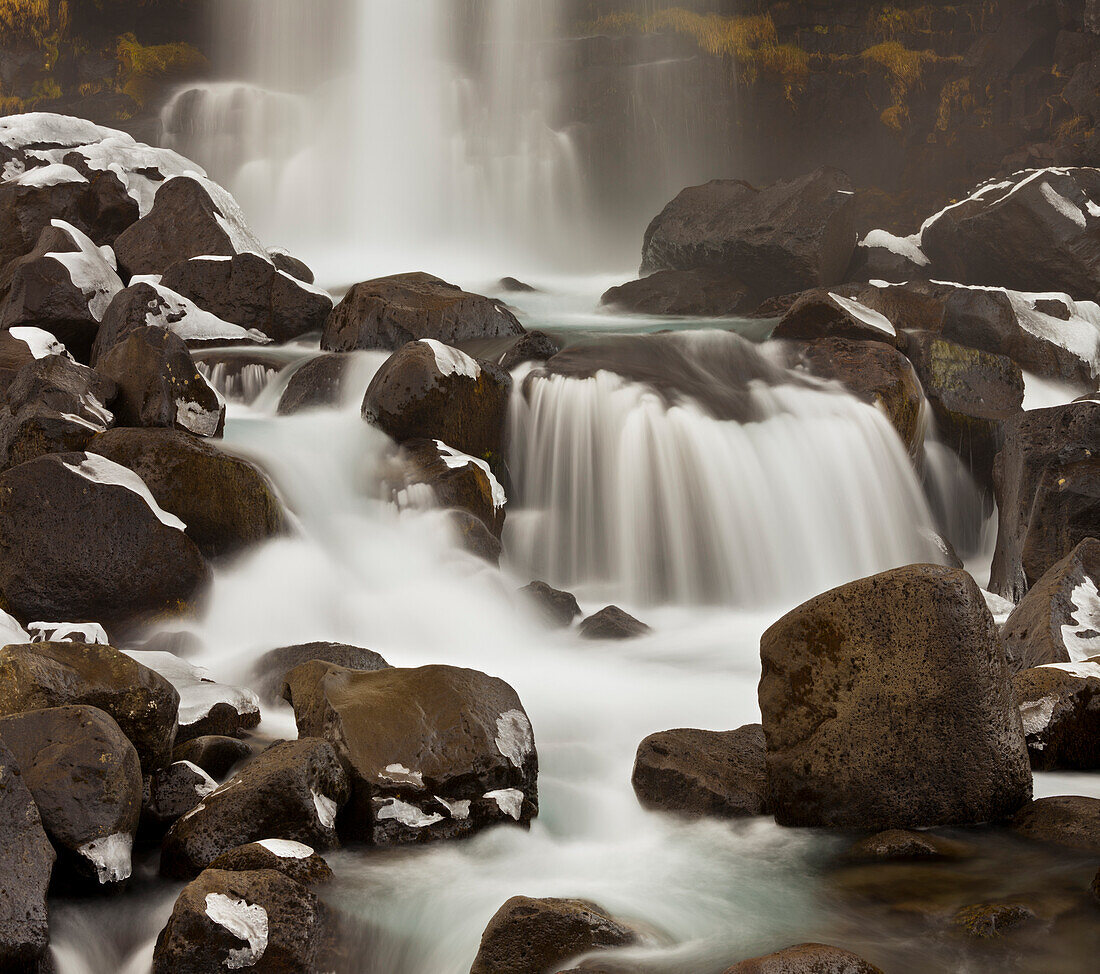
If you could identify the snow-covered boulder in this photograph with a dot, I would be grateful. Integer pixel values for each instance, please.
(885, 256)
(1060, 708)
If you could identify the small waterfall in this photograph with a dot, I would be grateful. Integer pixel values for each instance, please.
(624, 493)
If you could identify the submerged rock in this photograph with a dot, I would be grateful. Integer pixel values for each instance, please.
(293, 859)
(886, 703)
(992, 919)
(900, 845)
(1060, 707)
(272, 668)
(528, 934)
(1067, 820)
(389, 312)
(611, 622)
(435, 752)
(556, 608)
(701, 772)
(806, 959)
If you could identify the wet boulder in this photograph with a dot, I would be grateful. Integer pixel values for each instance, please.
(1038, 230)
(81, 537)
(227, 503)
(886, 703)
(534, 346)
(435, 752)
(470, 534)
(251, 292)
(171, 792)
(787, 237)
(831, 314)
(316, 384)
(427, 390)
(987, 920)
(692, 293)
(41, 675)
(1058, 620)
(1067, 820)
(293, 859)
(556, 608)
(703, 773)
(806, 959)
(611, 622)
(215, 754)
(256, 920)
(21, 346)
(389, 312)
(901, 845)
(528, 934)
(190, 217)
(1060, 708)
(1047, 480)
(293, 790)
(271, 669)
(26, 858)
(289, 264)
(85, 778)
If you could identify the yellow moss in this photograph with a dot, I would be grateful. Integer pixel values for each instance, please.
(28, 19)
(955, 99)
(904, 70)
(144, 70)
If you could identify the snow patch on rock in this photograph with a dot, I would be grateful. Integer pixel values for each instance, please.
(41, 342)
(1082, 639)
(196, 418)
(207, 785)
(246, 921)
(515, 739)
(92, 269)
(864, 314)
(1082, 669)
(459, 810)
(11, 633)
(1036, 715)
(68, 632)
(100, 470)
(509, 801)
(455, 460)
(183, 317)
(326, 810)
(400, 775)
(906, 247)
(198, 693)
(407, 814)
(286, 848)
(1062, 206)
(110, 855)
(451, 361)
(55, 174)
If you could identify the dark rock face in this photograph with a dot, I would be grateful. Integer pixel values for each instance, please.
(875, 260)
(787, 237)
(455, 480)
(53, 406)
(189, 218)
(143, 704)
(435, 752)
(886, 703)
(528, 934)
(806, 959)
(875, 372)
(85, 778)
(700, 772)
(291, 791)
(171, 793)
(227, 503)
(270, 672)
(556, 608)
(292, 859)
(317, 383)
(899, 845)
(250, 291)
(289, 264)
(215, 755)
(27, 859)
(79, 541)
(1060, 707)
(973, 395)
(689, 293)
(535, 346)
(829, 314)
(257, 920)
(1058, 611)
(1039, 230)
(1068, 820)
(16, 353)
(1046, 480)
(391, 311)
(611, 622)
(430, 391)
(471, 535)
(159, 384)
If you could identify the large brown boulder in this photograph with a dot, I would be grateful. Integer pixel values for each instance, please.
(1067, 820)
(787, 237)
(693, 293)
(227, 503)
(886, 703)
(527, 935)
(1047, 480)
(1060, 707)
(831, 314)
(391, 311)
(82, 538)
(1059, 617)
(700, 772)
(806, 959)
(37, 676)
(435, 752)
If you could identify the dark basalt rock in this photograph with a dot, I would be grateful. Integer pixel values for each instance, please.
(534, 346)
(886, 703)
(435, 752)
(703, 293)
(292, 859)
(703, 773)
(171, 793)
(85, 778)
(26, 858)
(251, 292)
(14, 355)
(38, 676)
(73, 546)
(528, 934)
(258, 920)
(987, 920)
(1035, 231)
(270, 672)
(1066, 820)
(787, 237)
(389, 312)
(877, 262)
(160, 386)
(806, 959)
(1060, 708)
(831, 314)
(456, 482)
(216, 755)
(899, 845)
(317, 383)
(1047, 480)
(227, 503)
(512, 286)
(1055, 608)
(556, 608)
(439, 393)
(471, 535)
(611, 622)
(289, 264)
